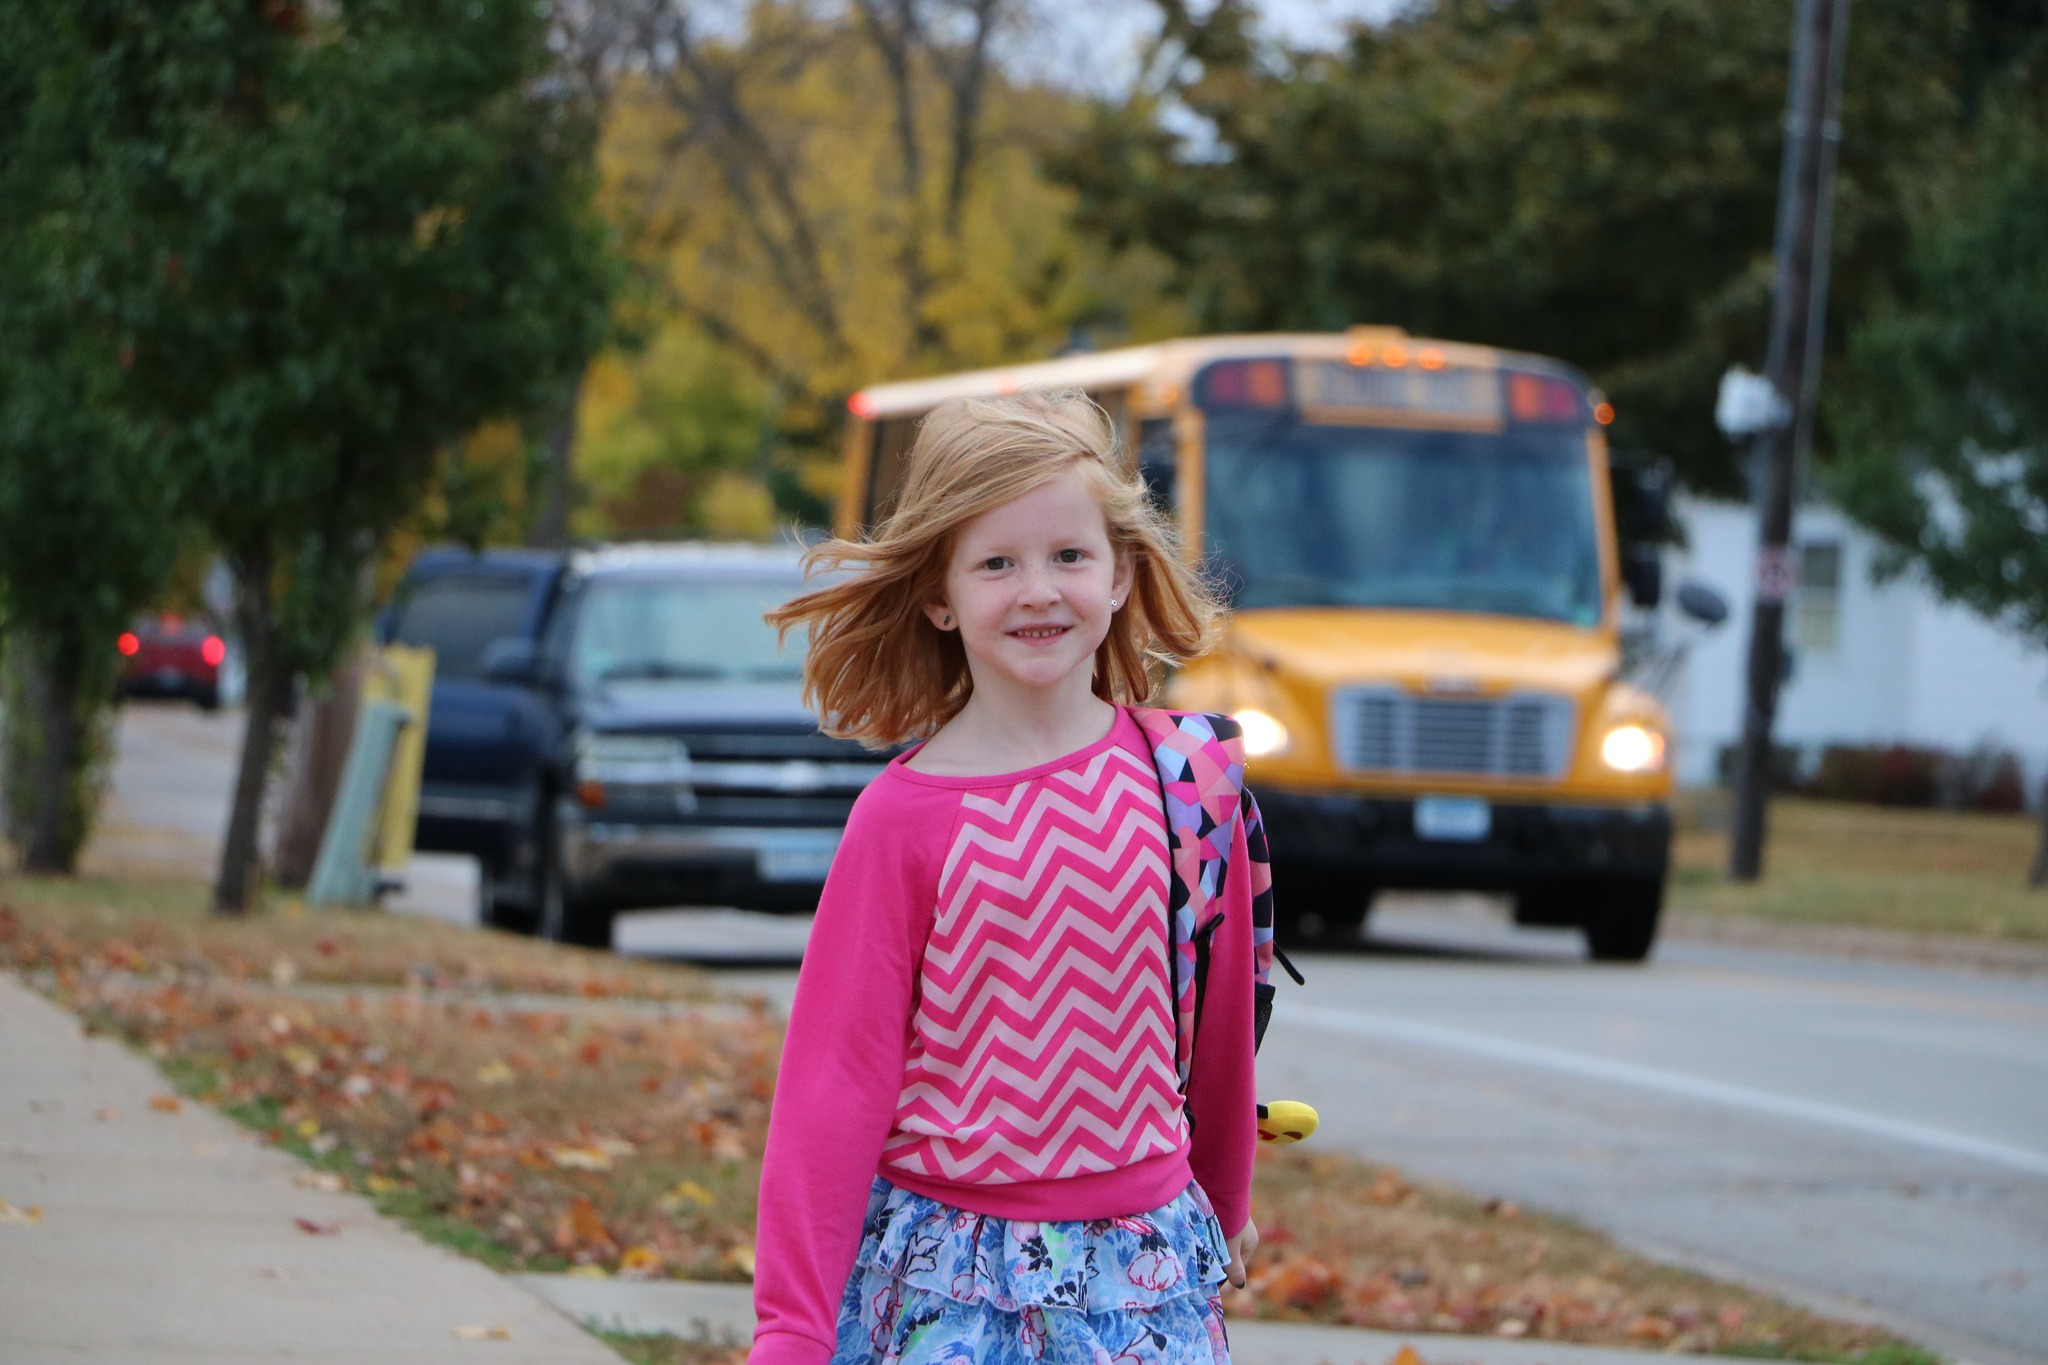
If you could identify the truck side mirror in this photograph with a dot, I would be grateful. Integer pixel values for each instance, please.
(1702, 603)
(1642, 570)
(512, 661)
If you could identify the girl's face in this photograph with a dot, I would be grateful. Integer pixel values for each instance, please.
(1029, 586)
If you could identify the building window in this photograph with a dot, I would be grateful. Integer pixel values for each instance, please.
(1817, 619)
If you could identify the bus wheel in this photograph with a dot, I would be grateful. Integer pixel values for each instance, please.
(1621, 923)
(1327, 911)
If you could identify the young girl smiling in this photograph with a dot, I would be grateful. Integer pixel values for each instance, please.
(993, 1137)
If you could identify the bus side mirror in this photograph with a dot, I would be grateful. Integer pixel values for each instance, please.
(1642, 571)
(1702, 603)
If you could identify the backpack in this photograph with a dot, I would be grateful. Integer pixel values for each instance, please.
(1200, 758)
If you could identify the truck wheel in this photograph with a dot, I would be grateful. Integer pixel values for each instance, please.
(497, 906)
(560, 917)
(1621, 922)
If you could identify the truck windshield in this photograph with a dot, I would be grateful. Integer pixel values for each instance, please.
(664, 631)
(1309, 515)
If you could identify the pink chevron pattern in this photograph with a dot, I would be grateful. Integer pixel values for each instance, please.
(1042, 1043)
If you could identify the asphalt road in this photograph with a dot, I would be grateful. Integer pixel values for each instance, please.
(1868, 1136)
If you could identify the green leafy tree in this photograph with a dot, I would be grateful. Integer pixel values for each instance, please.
(363, 228)
(1943, 406)
(1591, 179)
(87, 526)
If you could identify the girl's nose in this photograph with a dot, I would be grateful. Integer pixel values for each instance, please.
(1039, 588)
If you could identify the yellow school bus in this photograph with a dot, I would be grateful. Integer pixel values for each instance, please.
(1418, 538)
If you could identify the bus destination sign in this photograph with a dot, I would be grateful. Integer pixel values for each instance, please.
(1337, 390)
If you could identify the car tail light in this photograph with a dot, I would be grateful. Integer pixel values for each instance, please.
(129, 643)
(213, 651)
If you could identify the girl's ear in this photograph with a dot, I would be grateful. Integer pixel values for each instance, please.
(1126, 574)
(940, 615)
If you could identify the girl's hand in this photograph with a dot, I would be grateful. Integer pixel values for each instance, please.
(1241, 1248)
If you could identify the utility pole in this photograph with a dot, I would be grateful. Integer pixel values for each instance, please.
(1798, 307)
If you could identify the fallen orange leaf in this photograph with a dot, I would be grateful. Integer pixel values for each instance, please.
(317, 1229)
(166, 1104)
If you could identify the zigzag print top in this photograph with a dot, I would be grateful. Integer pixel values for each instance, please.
(985, 1016)
(1042, 1045)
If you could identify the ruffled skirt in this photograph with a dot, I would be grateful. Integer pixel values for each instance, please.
(934, 1285)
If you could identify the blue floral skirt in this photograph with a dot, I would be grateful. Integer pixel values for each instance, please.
(934, 1285)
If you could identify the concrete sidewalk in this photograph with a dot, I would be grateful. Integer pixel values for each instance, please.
(171, 1238)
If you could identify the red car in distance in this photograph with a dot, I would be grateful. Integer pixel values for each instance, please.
(167, 655)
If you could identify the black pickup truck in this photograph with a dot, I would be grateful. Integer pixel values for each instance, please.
(617, 729)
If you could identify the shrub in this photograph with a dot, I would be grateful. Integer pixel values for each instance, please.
(1985, 778)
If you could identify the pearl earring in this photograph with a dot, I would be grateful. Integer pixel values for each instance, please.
(1112, 604)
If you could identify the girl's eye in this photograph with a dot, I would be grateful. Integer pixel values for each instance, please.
(1069, 556)
(994, 562)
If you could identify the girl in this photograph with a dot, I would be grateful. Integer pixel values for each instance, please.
(980, 1149)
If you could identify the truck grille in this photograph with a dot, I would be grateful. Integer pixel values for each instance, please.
(1384, 729)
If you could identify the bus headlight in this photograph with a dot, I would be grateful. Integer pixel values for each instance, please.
(1632, 749)
(1262, 734)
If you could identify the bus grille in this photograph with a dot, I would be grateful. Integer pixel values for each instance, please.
(1384, 729)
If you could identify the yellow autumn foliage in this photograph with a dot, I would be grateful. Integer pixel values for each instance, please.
(797, 239)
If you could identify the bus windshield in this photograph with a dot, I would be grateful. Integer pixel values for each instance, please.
(1301, 514)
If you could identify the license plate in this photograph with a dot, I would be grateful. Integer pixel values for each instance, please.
(795, 864)
(1456, 819)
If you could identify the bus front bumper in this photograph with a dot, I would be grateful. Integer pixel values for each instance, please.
(1523, 846)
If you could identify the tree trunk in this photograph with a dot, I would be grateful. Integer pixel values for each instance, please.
(2037, 875)
(550, 516)
(319, 751)
(270, 682)
(53, 837)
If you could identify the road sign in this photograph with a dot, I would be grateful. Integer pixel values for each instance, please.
(1777, 572)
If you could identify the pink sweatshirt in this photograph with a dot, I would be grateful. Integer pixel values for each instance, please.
(984, 1017)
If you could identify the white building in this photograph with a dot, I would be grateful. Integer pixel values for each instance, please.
(1874, 662)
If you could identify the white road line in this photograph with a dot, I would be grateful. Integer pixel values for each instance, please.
(1390, 1029)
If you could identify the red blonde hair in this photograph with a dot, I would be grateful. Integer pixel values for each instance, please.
(878, 671)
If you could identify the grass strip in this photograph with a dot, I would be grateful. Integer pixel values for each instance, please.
(666, 1349)
(596, 1139)
(1918, 871)
(151, 926)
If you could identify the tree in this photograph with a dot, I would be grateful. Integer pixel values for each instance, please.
(816, 200)
(365, 229)
(1943, 410)
(1591, 179)
(87, 520)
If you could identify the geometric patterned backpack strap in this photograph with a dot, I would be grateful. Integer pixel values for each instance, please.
(1200, 761)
